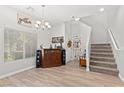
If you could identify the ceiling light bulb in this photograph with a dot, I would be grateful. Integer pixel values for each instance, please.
(49, 26)
(36, 25)
(38, 22)
(46, 23)
(101, 9)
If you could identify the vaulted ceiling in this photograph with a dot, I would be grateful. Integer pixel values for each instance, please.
(61, 13)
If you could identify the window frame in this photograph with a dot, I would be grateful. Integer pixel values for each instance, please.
(24, 51)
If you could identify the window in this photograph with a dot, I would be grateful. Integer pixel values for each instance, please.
(30, 45)
(18, 44)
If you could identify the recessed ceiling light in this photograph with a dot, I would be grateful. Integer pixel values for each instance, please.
(101, 9)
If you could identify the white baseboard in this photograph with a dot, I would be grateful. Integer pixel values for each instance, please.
(15, 72)
(121, 77)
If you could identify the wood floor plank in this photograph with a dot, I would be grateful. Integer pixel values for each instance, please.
(70, 75)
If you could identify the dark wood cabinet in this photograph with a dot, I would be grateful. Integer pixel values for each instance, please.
(50, 58)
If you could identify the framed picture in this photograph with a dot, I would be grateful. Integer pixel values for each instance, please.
(58, 39)
(76, 42)
(24, 20)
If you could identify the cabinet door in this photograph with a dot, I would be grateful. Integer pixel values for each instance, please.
(46, 59)
(51, 58)
(56, 58)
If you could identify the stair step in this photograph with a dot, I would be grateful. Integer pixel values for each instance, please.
(100, 44)
(101, 50)
(102, 54)
(104, 70)
(102, 59)
(101, 47)
(103, 64)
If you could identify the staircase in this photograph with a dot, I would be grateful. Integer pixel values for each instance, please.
(102, 59)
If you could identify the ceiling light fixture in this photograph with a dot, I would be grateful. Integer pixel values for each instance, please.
(43, 24)
(101, 9)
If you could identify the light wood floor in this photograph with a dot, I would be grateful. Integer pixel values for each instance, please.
(70, 75)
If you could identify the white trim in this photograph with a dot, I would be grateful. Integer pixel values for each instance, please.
(88, 48)
(15, 72)
(121, 77)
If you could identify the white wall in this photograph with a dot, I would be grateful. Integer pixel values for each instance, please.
(44, 38)
(98, 23)
(117, 28)
(68, 37)
(85, 32)
(112, 16)
(58, 30)
(75, 29)
(8, 18)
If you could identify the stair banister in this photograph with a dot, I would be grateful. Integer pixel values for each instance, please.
(114, 45)
(118, 54)
(113, 39)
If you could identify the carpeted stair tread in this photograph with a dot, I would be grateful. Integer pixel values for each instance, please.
(101, 50)
(104, 70)
(110, 59)
(102, 59)
(102, 54)
(100, 46)
(104, 64)
(106, 57)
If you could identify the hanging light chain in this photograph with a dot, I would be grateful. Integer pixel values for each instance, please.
(43, 6)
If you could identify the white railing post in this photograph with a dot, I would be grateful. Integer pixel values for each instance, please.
(87, 59)
(88, 47)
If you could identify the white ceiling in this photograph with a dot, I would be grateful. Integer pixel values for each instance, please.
(61, 13)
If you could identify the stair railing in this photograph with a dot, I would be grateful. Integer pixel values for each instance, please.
(114, 44)
(88, 48)
(118, 54)
(113, 39)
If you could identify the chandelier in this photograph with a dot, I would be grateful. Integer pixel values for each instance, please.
(43, 24)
